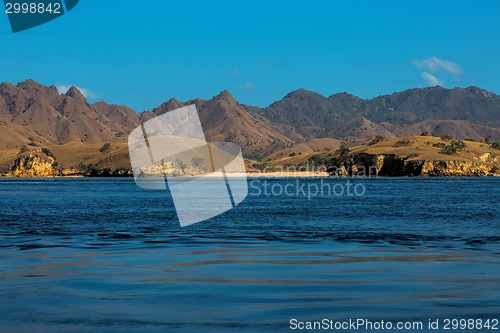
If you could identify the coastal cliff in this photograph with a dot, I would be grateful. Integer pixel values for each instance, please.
(93, 160)
(364, 164)
(36, 163)
(404, 156)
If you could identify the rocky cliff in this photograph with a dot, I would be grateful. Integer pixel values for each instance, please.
(34, 164)
(38, 163)
(363, 164)
(407, 156)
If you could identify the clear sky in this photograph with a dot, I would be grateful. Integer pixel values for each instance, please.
(141, 53)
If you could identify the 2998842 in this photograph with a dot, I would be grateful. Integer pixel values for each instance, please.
(470, 324)
(32, 8)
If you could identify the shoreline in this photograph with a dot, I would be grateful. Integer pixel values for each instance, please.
(303, 174)
(277, 174)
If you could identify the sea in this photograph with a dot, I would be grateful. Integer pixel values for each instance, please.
(104, 255)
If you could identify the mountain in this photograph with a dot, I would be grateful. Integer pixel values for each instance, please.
(321, 117)
(49, 117)
(224, 119)
(471, 104)
(37, 115)
(460, 129)
(462, 112)
(34, 116)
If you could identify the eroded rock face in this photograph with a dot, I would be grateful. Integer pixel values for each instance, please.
(456, 168)
(364, 164)
(33, 164)
(42, 163)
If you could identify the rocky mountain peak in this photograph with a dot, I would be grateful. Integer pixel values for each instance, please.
(32, 87)
(75, 93)
(226, 96)
(29, 83)
(302, 93)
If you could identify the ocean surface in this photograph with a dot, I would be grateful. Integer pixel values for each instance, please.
(103, 255)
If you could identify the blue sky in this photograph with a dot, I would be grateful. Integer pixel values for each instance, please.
(141, 53)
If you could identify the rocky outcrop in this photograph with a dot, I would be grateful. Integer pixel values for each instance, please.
(34, 164)
(42, 162)
(454, 168)
(363, 164)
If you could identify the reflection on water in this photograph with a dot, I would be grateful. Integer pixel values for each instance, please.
(74, 257)
(216, 285)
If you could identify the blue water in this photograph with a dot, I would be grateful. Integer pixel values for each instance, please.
(102, 255)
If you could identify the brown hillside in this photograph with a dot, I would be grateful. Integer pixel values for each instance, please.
(301, 124)
(412, 147)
